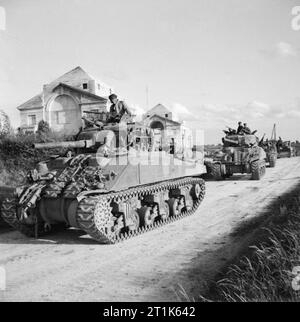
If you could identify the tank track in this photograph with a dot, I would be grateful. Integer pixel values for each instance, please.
(93, 212)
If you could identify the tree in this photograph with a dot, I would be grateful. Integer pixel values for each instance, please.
(43, 127)
(43, 131)
(5, 127)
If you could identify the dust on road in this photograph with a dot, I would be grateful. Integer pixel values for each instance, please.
(69, 266)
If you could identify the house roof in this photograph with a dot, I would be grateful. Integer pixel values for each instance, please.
(164, 119)
(76, 73)
(33, 103)
(81, 91)
(158, 109)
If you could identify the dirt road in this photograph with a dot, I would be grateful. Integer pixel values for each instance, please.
(70, 266)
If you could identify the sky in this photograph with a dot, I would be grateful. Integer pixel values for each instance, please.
(212, 62)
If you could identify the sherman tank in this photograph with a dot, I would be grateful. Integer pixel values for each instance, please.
(285, 149)
(240, 154)
(111, 184)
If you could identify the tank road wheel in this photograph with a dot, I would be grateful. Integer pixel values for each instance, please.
(115, 225)
(146, 216)
(198, 192)
(134, 223)
(272, 161)
(165, 212)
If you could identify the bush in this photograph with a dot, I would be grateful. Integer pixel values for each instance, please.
(18, 155)
(43, 130)
(265, 273)
(5, 127)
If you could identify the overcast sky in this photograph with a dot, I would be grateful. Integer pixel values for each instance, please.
(213, 62)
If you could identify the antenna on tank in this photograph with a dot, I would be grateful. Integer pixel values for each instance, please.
(273, 136)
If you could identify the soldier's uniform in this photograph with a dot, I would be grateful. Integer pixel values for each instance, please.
(240, 128)
(246, 129)
(117, 110)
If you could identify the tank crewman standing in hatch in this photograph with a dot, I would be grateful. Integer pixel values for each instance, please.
(279, 143)
(240, 128)
(117, 109)
(246, 129)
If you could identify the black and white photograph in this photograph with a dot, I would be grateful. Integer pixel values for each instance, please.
(149, 153)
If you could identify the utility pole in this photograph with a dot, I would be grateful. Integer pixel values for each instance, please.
(273, 136)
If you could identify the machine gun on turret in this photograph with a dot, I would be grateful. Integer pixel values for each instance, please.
(230, 131)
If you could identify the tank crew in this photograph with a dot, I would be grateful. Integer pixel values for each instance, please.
(240, 128)
(279, 143)
(117, 109)
(246, 129)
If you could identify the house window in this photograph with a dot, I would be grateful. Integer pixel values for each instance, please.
(85, 86)
(166, 115)
(99, 87)
(31, 120)
(61, 117)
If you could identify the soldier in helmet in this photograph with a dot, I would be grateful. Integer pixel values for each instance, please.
(117, 109)
(240, 128)
(246, 129)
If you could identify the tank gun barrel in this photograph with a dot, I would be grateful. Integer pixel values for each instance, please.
(65, 144)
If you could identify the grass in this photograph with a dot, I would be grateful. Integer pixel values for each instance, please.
(18, 156)
(265, 271)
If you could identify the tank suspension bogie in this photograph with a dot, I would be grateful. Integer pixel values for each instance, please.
(147, 215)
(164, 212)
(144, 208)
(174, 207)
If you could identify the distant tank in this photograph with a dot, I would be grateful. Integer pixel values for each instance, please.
(270, 148)
(240, 154)
(285, 149)
(111, 184)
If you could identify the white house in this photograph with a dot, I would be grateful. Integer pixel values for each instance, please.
(62, 102)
